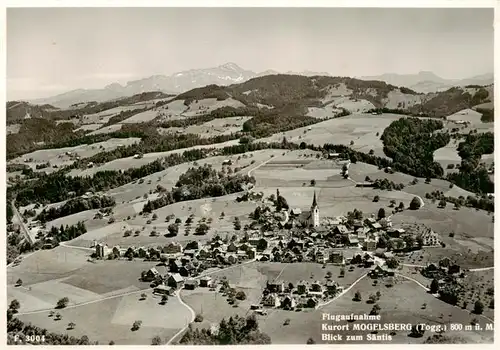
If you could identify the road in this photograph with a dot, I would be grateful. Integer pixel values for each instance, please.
(130, 293)
(343, 292)
(27, 233)
(427, 290)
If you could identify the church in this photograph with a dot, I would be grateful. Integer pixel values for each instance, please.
(310, 218)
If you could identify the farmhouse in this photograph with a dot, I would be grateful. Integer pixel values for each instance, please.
(102, 250)
(163, 289)
(205, 281)
(172, 248)
(271, 300)
(289, 302)
(336, 257)
(191, 284)
(175, 281)
(151, 275)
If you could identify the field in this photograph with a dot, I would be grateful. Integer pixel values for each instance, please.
(399, 304)
(178, 110)
(106, 129)
(470, 116)
(60, 157)
(104, 116)
(216, 127)
(448, 155)
(362, 129)
(112, 319)
(131, 162)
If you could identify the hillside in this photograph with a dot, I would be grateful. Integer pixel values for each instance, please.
(426, 82)
(276, 102)
(295, 92)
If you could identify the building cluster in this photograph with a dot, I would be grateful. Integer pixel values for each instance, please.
(279, 294)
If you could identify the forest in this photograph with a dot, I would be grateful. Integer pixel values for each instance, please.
(411, 143)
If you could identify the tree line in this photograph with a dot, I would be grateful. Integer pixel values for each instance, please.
(76, 205)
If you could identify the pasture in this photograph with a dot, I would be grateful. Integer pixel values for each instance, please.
(104, 116)
(112, 319)
(131, 162)
(216, 127)
(361, 129)
(65, 156)
(106, 130)
(402, 303)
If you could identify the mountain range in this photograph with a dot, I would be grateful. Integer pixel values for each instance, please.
(231, 73)
(426, 82)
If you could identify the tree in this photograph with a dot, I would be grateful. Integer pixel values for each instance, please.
(392, 263)
(71, 325)
(434, 286)
(357, 296)
(442, 203)
(401, 206)
(393, 203)
(173, 229)
(19, 282)
(478, 307)
(164, 299)
(155, 216)
(375, 310)
(240, 295)
(313, 182)
(417, 331)
(136, 325)
(381, 213)
(376, 198)
(111, 342)
(310, 341)
(492, 304)
(14, 305)
(198, 318)
(415, 203)
(62, 303)
(202, 229)
(143, 296)
(156, 341)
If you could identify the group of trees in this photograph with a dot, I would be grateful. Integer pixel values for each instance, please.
(473, 176)
(76, 205)
(200, 182)
(385, 184)
(67, 233)
(411, 143)
(235, 331)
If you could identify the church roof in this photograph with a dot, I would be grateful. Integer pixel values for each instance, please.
(315, 203)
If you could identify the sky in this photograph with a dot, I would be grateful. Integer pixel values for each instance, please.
(55, 50)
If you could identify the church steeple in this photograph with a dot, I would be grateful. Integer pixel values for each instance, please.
(315, 203)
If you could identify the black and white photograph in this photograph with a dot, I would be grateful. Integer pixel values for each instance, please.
(237, 175)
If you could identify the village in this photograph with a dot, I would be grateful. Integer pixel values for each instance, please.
(282, 235)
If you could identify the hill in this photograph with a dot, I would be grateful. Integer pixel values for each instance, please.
(426, 82)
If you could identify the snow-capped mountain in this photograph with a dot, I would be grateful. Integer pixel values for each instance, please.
(226, 74)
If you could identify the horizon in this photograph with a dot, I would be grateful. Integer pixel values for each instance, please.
(372, 42)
